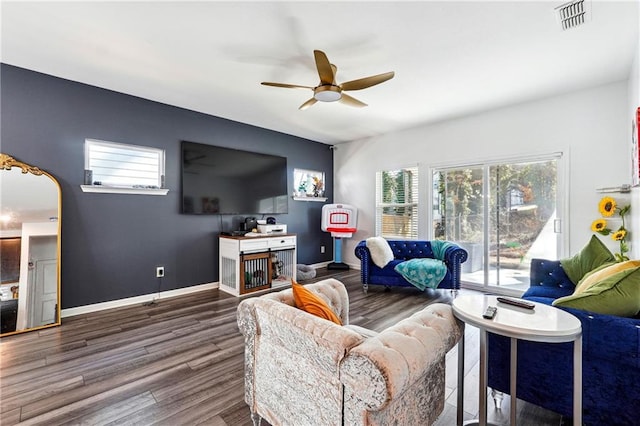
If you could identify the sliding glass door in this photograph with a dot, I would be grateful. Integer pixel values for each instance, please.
(503, 214)
(459, 214)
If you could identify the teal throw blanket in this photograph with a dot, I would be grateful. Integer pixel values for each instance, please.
(422, 272)
(439, 247)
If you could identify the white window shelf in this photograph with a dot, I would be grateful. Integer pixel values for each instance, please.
(117, 190)
(317, 199)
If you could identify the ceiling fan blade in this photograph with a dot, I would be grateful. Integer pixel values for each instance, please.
(288, 86)
(363, 83)
(307, 104)
(351, 101)
(324, 67)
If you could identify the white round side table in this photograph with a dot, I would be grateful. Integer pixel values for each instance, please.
(542, 324)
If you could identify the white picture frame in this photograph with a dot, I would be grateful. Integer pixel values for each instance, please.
(635, 149)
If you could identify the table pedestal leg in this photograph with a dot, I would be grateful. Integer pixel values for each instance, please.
(483, 378)
(577, 381)
(512, 379)
(482, 420)
(460, 381)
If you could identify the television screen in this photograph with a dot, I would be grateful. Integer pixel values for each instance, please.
(218, 180)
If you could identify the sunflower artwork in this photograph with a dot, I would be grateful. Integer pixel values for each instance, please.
(608, 208)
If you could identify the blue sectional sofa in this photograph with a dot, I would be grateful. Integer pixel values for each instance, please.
(403, 250)
(611, 359)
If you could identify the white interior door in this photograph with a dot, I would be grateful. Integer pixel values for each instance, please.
(45, 292)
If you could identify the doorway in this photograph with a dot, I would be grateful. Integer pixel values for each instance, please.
(41, 291)
(504, 214)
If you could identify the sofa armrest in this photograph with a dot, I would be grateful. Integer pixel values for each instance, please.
(248, 326)
(363, 253)
(383, 367)
(454, 257)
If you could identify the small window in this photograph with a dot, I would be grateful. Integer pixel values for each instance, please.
(397, 203)
(116, 165)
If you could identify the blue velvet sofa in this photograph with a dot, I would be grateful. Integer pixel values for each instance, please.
(610, 359)
(403, 250)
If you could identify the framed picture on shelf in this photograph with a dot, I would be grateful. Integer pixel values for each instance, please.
(308, 183)
(635, 149)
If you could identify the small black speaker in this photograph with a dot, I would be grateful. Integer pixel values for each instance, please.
(250, 223)
(271, 220)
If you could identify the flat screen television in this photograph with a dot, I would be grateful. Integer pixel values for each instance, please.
(219, 180)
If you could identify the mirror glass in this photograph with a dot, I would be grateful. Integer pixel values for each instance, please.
(30, 201)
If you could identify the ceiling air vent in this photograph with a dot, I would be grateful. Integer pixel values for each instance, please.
(573, 14)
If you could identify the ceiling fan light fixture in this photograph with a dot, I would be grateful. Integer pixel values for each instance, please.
(327, 93)
(330, 91)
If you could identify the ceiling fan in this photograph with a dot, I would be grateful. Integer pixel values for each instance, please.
(330, 91)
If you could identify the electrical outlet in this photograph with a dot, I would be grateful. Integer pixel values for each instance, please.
(321, 249)
(159, 271)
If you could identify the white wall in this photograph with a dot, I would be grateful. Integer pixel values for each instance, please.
(589, 126)
(634, 104)
(10, 233)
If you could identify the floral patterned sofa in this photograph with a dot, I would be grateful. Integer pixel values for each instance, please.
(302, 370)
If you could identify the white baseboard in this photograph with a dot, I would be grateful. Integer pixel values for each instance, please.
(70, 312)
(65, 313)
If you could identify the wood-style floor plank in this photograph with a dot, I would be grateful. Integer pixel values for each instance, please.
(117, 411)
(180, 361)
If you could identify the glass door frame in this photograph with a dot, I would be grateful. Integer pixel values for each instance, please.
(562, 206)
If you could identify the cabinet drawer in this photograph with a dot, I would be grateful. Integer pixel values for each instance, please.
(253, 245)
(275, 243)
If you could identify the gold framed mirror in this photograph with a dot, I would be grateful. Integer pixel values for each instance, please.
(30, 225)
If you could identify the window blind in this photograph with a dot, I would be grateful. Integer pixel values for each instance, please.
(121, 165)
(397, 203)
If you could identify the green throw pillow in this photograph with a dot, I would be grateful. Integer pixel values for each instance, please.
(618, 294)
(599, 274)
(592, 256)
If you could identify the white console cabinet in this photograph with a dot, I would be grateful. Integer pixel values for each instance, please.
(249, 264)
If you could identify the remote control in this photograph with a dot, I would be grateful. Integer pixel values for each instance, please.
(517, 302)
(490, 312)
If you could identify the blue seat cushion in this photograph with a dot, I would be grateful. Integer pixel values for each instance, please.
(546, 292)
(388, 270)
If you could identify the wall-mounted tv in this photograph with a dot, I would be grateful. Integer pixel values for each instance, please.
(219, 180)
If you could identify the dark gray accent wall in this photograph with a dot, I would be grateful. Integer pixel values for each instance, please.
(112, 243)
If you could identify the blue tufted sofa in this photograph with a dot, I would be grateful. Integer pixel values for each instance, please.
(610, 359)
(404, 250)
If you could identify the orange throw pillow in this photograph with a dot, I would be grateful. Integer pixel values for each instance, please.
(313, 304)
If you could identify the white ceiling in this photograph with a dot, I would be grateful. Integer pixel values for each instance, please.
(451, 58)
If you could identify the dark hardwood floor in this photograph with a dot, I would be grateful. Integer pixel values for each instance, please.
(180, 362)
